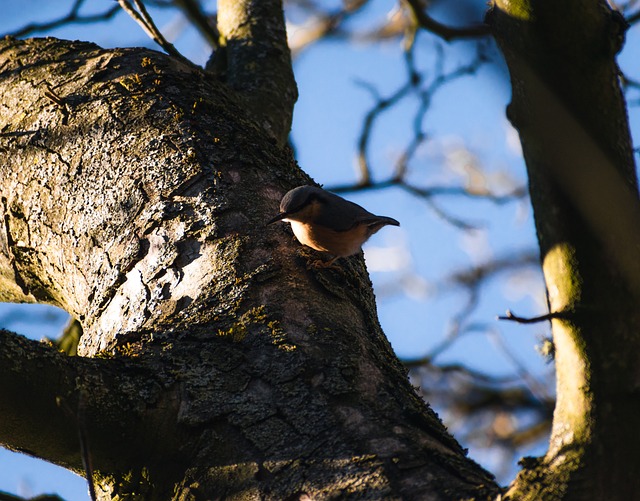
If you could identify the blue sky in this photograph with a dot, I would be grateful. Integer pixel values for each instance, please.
(415, 304)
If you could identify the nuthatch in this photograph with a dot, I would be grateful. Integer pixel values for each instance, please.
(328, 223)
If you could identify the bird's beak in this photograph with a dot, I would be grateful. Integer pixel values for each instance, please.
(279, 217)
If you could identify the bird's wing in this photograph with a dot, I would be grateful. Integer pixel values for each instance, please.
(341, 216)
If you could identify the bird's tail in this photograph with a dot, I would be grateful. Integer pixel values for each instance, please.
(377, 222)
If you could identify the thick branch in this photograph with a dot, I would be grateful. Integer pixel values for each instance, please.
(48, 400)
(258, 61)
(32, 419)
(569, 110)
(447, 33)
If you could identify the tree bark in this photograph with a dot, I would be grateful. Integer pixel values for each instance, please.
(570, 112)
(213, 362)
(254, 60)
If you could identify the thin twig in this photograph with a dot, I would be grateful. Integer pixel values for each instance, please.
(424, 93)
(85, 452)
(432, 191)
(142, 17)
(192, 9)
(633, 18)
(367, 127)
(537, 389)
(324, 24)
(532, 320)
(58, 101)
(73, 17)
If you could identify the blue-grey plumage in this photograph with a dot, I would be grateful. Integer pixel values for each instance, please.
(328, 223)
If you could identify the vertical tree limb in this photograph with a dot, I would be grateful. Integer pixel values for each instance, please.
(569, 110)
(258, 61)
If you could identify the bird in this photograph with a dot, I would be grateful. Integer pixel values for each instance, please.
(327, 222)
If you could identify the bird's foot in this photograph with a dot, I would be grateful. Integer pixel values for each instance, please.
(318, 264)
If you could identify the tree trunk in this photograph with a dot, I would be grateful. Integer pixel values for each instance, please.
(213, 363)
(570, 112)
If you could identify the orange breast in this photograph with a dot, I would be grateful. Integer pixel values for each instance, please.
(338, 243)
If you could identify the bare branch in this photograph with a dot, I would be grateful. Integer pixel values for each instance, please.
(193, 10)
(428, 194)
(256, 61)
(432, 191)
(363, 142)
(46, 412)
(492, 411)
(516, 194)
(633, 18)
(445, 32)
(538, 390)
(531, 320)
(142, 17)
(73, 17)
(471, 280)
(324, 24)
(424, 93)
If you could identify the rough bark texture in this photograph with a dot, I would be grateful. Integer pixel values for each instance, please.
(569, 110)
(214, 363)
(254, 59)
